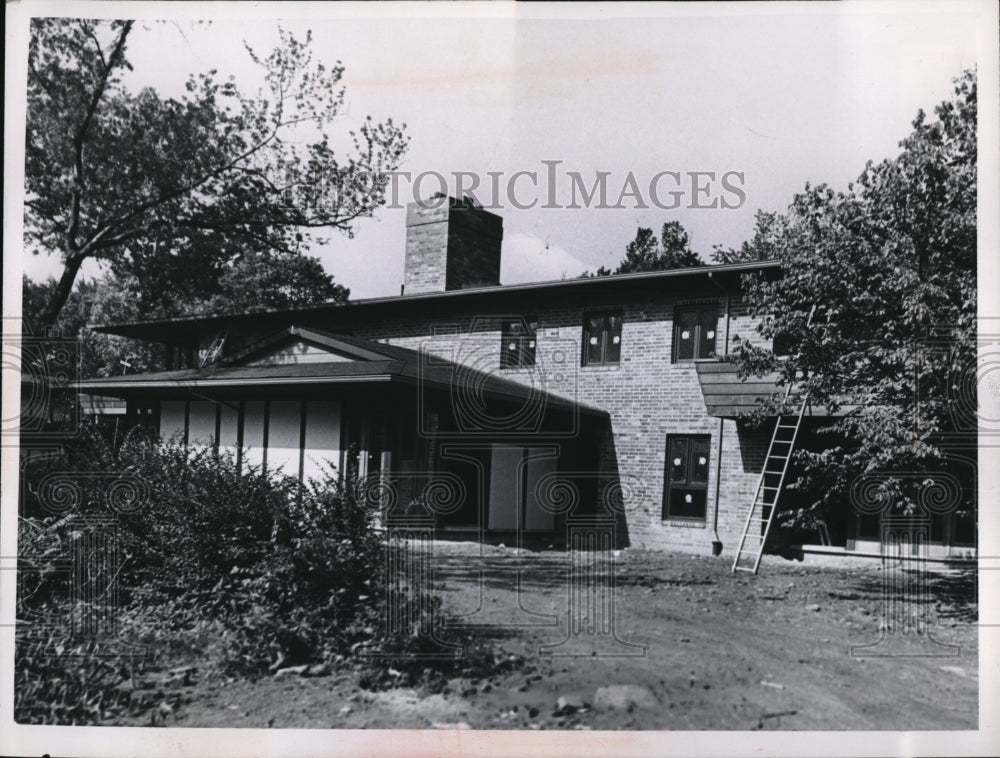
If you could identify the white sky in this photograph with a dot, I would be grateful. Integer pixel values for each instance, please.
(787, 96)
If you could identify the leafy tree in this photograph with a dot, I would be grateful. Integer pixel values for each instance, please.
(170, 192)
(768, 231)
(887, 265)
(647, 253)
(279, 280)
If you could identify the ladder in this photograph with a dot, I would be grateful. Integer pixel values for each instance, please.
(215, 349)
(772, 479)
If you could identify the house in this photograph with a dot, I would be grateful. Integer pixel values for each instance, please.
(517, 406)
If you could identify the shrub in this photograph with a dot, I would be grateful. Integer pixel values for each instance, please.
(265, 571)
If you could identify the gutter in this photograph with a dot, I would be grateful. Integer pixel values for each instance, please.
(97, 386)
(717, 542)
(471, 293)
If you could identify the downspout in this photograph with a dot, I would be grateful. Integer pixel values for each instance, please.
(717, 542)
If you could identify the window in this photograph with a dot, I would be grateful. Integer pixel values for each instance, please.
(517, 348)
(694, 332)
(685, 486)
(602, 339)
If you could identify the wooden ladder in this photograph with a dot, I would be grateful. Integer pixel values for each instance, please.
(765, 501)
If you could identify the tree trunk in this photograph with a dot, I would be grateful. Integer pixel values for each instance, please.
(61, 294)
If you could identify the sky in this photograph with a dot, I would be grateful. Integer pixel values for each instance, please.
(772, 96)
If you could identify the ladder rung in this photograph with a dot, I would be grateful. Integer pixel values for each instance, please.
(778, 457)
(787, 426)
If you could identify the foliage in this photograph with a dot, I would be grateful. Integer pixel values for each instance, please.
(225, 562)
(647, 253)
(890, 266)
(172, 192)
(768, 230)
(278, 280)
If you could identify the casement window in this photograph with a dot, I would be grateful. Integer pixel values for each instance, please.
(517, 346)
(685, 486)
(602, 339)
(695, 328)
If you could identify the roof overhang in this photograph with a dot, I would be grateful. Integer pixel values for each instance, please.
(185, 330)
(374, 363)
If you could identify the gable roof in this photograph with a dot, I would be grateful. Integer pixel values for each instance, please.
(374, 362)
(184, 330)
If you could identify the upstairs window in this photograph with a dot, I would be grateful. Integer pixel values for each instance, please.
(695, 328)
(517, 347)
(602, 339)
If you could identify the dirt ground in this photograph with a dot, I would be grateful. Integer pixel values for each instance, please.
(696, 648)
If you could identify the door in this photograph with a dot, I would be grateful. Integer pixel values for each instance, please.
(515, 472)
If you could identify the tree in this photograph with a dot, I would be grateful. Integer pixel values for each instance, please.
(647, 253)
(171, 192)
(888, 264)
(274, 281)
(767, 236)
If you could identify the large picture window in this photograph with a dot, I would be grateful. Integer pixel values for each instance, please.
(685, 486)
(517, 348)
(602, 339)
(694, 332)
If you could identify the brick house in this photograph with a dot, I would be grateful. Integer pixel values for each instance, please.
(504, 409)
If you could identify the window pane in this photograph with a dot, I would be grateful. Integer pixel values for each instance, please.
(677, 459)
(613, 350)
(685, 324)
(593, 336)
(699, 460)
(528, 345)
(687, 503)
(517, 345)
(707, 324)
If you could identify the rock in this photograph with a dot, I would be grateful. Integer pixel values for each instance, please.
(625, 697)
(814, 607)
(291, 670)
(532, 712)
(457, 725)
(319, 669)
(345, 710)
(773, 685)
(567, 704)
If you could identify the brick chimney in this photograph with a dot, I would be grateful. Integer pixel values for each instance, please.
(450, 245)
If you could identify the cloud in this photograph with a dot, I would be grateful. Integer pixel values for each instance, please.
(526, 258)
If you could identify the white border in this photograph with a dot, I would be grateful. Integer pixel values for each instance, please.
(106, 741)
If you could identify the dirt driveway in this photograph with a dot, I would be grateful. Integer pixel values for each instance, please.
(696, 648)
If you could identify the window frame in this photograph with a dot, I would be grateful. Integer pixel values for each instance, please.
(689, 483)
(697, 309)
(524, 356)
(607, 335)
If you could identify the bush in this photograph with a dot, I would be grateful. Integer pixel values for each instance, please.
(262, 570)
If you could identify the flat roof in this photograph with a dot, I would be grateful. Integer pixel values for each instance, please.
(180, 330)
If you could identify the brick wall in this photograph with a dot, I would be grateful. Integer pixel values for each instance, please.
(646, 396)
